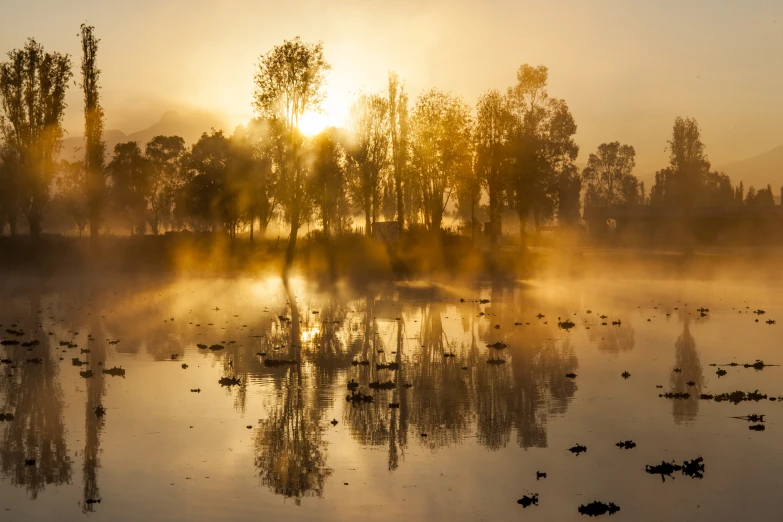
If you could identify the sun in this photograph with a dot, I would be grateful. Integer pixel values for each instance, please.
(314, 122)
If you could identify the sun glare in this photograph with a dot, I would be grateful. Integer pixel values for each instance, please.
(313, 122)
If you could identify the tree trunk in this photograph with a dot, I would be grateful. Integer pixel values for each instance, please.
(252, 222)
(34, 221)
(262, 228)
(400, 213)
(367, 219)
(290, 250)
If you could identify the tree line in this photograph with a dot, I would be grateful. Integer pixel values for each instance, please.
(409, 162)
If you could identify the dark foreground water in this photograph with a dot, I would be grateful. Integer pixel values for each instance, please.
(464, 440)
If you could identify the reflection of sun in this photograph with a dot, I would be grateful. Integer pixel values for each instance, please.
(308, 334)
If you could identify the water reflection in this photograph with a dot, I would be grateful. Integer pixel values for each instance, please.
(33, 453)
(443, 391)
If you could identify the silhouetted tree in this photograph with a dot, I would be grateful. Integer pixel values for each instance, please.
(569, 192)
(543, 145)
(468, 190)
(289, 82)
(93, 129)
(71, 191)
(368, 154)
(264, 177)
(10, 172)
(32, 94)
(760, 198)
(440, 144)
(494, 131)
(609, 176)
(164, 154)
(129, 172)
(329, 181)
(398, 125)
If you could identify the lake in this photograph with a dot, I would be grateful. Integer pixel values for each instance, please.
(228, 399)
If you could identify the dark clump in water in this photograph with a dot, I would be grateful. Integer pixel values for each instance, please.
(627, 444)
(693, 469)
(116, 371)
(216, 347)
(526, 501)
(757, 427)
(87, 375)
(360, 363)
(229, 381)
(377, 385)
(391, 366)
(625, 375)
(675, 395)
(359, 397)
(352, 384)
(577, 449)
(6, 417)
(596, 508)
(736, 397)
(498, 345)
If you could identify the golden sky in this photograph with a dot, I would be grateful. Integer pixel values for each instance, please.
(625, 67)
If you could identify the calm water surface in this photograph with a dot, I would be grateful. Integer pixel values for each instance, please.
(285, 444)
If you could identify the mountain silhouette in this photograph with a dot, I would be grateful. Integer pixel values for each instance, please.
(189, 126)
(760, 170)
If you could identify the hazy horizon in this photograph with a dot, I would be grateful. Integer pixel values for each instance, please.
(625, 69)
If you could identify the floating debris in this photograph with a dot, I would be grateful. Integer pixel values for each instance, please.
(352, 384)
(9, 342)
(757, 312)
(449, 355)
(496, 361)
(29, 344)
(540, 475)
(690, 383)
(202, 346)
(29, 462)
(93, 501)
(770, 321)
(751, 418)
(617, 323)
(721, 372)
(116, 371)
(566, 325)
(694, 468)
(497, 345)
(483, 301)
(229, 381)
(216, 347)
(35, 360)
(360, 363)
(6, 417)
(675, 395)
(391, 366)
(576, 450)
(626, 444)
(334, 422)
(377, 385)
(571, 375)
(87, 374)
(77, 362)
(359, 397)
(625, 375)
(195, 390)
(596, 508)
(757, 427)
(528, 501)
(394, 405)
(100, 411)
(736, 397)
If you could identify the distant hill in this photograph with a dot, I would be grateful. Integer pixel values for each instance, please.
(189, 126)
(766, 168)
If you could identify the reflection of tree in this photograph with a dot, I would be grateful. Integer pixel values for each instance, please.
(34, 396)
(611, 339)
(290, 452)
(686, 358)
(93, 423)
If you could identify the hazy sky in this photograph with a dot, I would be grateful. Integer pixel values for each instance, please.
(625, 67)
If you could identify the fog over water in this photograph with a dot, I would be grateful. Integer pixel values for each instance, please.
(269, 445)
